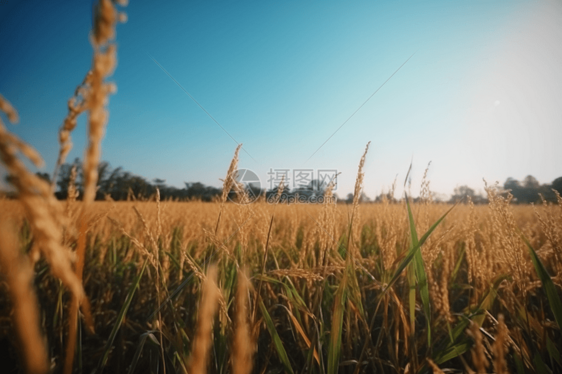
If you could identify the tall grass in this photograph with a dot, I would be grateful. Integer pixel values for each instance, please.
(306, 299)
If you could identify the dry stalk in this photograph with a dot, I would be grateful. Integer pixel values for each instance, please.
(243, 347)
(43, 211)
(18, 273)
(356, 199)
(499, 347)
(228, 182)
(105, 19)
(206, 314)
(434, 367)
(76, 106)
(478, 351)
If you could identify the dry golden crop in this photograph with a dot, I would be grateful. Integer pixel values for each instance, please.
(146, 263)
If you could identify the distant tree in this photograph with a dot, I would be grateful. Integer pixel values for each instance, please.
(199, 191)
(45, 176)
(531, 182)
(110, 184)
(160, 183)
(254, 192)
(557, 185)
(512, 185)
(441, 197)
(388, 196)
(122, 185)
(9, 179)
(272, 193)
(525, 192)
(463, 192)
(318, 186)
(530, 190)
(63, 179)
(312, 190)
(139, 187)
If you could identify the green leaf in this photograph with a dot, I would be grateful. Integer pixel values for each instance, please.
(120, 318)
(451, 352)
(539, 364)
(487, 301)
(290, 289)
(547, 284)
(334, 346)
(412, 299)
(176, 292)
(553, 351)
(138, 352)
(457, 266)
(293, 294)
(276, 339)
(518, 364)
(406, 261)
(456, 335)
(174, 260)
(421, 276)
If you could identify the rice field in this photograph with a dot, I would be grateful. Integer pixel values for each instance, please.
(268, 287)
(302, 288)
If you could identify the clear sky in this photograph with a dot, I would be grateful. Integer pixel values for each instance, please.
(481, 97)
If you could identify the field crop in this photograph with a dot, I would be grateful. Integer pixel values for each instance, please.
(317, 297)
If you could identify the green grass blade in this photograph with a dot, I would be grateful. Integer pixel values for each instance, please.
(412, 299)
(421, 276)
(547, 284)
(334, 346)
(457, 266)
(487, 301)
(175, 293)
(553, 351)
(138, 352)
(276, 339)
(540, 366)
(120, 318)
(478, 315)
(293, 294)
(174, 260)
(406, 261)
(518, 363)
(457, 334)
(452, 352)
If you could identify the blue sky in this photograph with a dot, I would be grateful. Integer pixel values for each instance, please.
(480, 97)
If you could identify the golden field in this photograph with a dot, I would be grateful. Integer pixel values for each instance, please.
(322, 303)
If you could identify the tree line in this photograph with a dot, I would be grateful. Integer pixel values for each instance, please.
(121, 185)
(527, 191)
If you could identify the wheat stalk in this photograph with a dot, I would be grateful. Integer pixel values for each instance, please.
(18, 273)
(206, 314)
(499, 347)
(242, 345)
(106, 17)
(43, 210)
